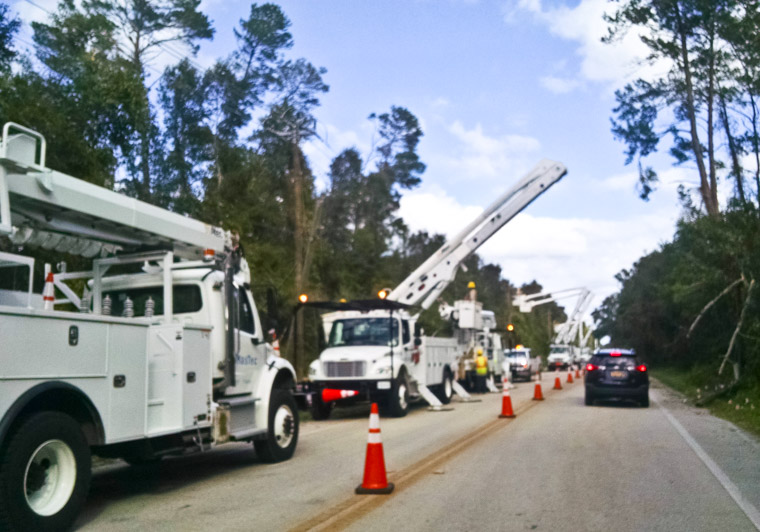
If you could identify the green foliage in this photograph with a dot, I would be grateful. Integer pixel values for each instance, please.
(707, 95)
(663, 293)
(8, 28)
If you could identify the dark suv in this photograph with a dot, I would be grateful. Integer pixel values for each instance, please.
(616, 373)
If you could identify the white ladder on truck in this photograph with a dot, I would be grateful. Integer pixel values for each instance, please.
(49, 209)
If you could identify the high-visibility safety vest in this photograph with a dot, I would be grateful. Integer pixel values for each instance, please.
(481, 365)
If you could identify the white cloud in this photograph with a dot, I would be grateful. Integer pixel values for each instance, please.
(557, 252)
(585, 25)
(559, 85)
(479, 155)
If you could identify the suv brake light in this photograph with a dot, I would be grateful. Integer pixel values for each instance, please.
(642, 368)
(616, 354)
(591, 367)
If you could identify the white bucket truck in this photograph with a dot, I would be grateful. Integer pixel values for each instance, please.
(137, 364)
(379, 351)
(562, 355)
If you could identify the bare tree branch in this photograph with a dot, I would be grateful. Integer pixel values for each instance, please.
(711, 303)
(738, 328)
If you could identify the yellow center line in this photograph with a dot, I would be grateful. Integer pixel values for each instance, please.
(348, 511)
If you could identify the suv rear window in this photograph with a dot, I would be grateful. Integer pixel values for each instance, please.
(603, 358)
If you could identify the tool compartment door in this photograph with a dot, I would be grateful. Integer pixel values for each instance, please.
(164, 406)
(196, 375)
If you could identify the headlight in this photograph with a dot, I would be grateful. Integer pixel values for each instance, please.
(312, 370)
(383, 370)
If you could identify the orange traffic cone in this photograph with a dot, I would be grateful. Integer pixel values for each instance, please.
(48, 293)
(537, 395)
(577, 373)
(375, 480)
(569, 377)
(506, 402)
(557, 383)
(328, 394)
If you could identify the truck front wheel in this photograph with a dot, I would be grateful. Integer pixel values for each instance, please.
(398, 400)
(282, 434)
(44, 474)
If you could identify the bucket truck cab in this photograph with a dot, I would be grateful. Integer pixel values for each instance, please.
(134, 364)
(383, 355)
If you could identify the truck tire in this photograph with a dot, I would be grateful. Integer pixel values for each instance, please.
(398, 400)
(44, 474)
(282, 434)
(319, 409)
(445, 391)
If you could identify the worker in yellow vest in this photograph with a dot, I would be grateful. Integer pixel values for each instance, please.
(481, 372)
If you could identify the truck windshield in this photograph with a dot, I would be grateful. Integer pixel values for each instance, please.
(559, 350)
(363, 331)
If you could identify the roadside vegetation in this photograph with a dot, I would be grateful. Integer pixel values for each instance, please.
(691, 309)
(119, 93)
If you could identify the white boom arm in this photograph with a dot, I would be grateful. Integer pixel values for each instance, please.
(428, 281)
(45, 208)
(527, 302)
(576, 318)
(571, 327)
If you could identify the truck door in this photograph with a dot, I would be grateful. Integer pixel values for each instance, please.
(251, 351)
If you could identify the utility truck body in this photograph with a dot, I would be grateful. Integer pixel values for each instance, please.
(410, 365)
(168, 360)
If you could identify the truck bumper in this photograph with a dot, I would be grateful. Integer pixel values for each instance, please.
(369, 390)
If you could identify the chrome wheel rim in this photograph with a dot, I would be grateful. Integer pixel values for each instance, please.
(284, 426)
(50, 476)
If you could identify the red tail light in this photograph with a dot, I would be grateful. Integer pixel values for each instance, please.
(642, 368)
(591, 367)
(616, 354)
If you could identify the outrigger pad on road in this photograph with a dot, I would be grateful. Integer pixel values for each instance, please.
(440, 408)
(376, 491)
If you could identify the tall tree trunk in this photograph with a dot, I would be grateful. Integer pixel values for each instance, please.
(711, 118)
(755, 144)
(736, 168)
(704, 188)
(298, 248)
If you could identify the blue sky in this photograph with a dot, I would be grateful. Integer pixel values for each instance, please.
(497, 85)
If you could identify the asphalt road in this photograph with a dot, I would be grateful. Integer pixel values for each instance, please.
(558, 465)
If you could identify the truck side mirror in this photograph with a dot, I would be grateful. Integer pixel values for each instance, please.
(255, 340)
(417, 341)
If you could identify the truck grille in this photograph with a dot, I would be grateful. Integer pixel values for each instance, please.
(345, 369)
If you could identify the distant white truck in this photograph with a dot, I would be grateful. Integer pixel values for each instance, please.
(146, 362)
(560, 356)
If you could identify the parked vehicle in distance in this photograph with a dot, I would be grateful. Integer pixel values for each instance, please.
(521, 363)
(616, 373)
(560, 357)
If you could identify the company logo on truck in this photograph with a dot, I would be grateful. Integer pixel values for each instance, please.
(247, 360)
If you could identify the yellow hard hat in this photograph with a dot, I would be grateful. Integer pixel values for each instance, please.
(480, 351)
(470, 285)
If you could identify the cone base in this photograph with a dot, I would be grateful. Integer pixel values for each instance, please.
(505, 416)
(538, 398)
(375, 491)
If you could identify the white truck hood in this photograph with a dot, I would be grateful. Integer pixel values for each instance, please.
(367, 353)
